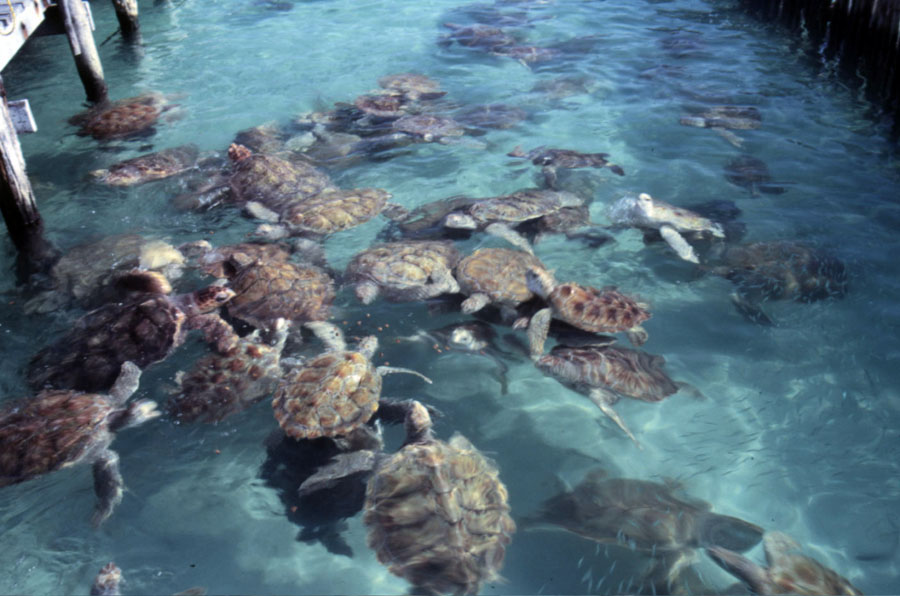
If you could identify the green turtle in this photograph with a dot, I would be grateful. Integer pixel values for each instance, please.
(496, 276)
(723, 119)
(492, 116)
(645, 212)
(752, 174)
(150, 166)
(413, 86)
(482, 37)
(404, 271)
(429, 128)
(60, 428)
(122, 119)
(789, 571)
(552, 160)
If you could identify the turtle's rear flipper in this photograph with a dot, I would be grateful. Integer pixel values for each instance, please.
(108, 486)
(604, 400)
(723, 531)
(593, 237)
(751, 310)
(341, 466)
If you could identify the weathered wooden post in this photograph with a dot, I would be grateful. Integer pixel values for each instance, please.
(127, 13)
(26, 229)
(81, 40)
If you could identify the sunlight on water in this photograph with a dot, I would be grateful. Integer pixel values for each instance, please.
(797, 426)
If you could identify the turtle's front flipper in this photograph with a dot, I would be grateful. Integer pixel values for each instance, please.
(126, 383)
(550, 176)
(751, 310)
(729, 136)
(604, 399)
(723, 531)
(743, 568)
(217, 332)
(108, 485)
(678, 243)
(386, 370)
(510, 235)
(538, 328)
(341, 466)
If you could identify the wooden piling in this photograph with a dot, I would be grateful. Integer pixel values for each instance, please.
(17, 203)
(127, 13)
(81, 40)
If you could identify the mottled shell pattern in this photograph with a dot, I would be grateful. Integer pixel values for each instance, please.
(329, 396)
(152, 166)
(120, 119)
(49, 431)
(437, 515)
(604, 310)
(412, 85)
(522, 205)
(429, 127)
(404, 270)
(218, 262)
(334, 210)
(272, 181)
(632, 373)
(499, 273)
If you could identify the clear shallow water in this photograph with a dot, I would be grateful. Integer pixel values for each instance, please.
(799, 429)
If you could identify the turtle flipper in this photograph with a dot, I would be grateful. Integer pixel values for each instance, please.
(126, 383)
(751, 310)
(538, 328)
(604, 399)
(678, 243)
(342, 465)
(510, 235)
(723, 531)
(108, 485)
(743, 568)
(729, 136)
(386, 370)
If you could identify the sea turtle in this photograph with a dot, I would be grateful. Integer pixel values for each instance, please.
(383, 106)
(266, 289)
(334, 393)
(404, 271)
(496, 115)
(497, 215)
(783, 270)
(109, 580)
(564, 86)
(651, 517)
(723, 119)
(412, 85)
(496, 276)
(148, 167)
(604, 310)
(752, 174)
(221, 261)
(272, 181)
(645, 212)
(220, 385)
(121, 119)
(436, 512)
(56, 429)
(429, 128)
(89, 274)
(476, 36)
(144, 328)
(551, 160)
(604, 371)
(789, 571)
(573, 222)
(528, 55)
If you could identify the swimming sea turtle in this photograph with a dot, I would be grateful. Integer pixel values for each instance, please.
(497, 116)
(145, 328)
(271, 181)
(476, 36)
(752, 174)
(109, 579)
(724, 118)
(334, 393)
(123, 118)
(429, 128)
(789, 571)
(551, 160)
(151, 166)
(89, 274)
(57, 429)
(404, 271)
(565, 86)
(496, 276)
(221, 261)
(782, 270)
(383, 106)
(654, 518)
(497, 215)
(647, 213)
(604, 310)
(412, 85)
(527, 55)
(604, 372)
(220, 385)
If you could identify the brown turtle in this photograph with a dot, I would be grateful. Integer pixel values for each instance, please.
(383, 106)
(144, 328)
(91, 274)
(590, 309)
(109, 579)
(148, 167)
(336, 392)
(57, 429)
(412, 85)
(429, 128)
(220, 385)
(404, 271)
(752, 174)
(121, 119)
(789, 571)
(497, 116)
(527, 55)
(651, 517)
(220, 261)
(723, 119)
(604, 372)
(783, 270)
(552, 160)
(481, 37)
(495, 276)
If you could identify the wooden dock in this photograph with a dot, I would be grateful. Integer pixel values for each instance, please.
(19, 19)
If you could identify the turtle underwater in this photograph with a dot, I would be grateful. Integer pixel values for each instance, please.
(789, 571)
(723, 119)
(145, 328)
(552, 160)
(59, 428)
(436, 512)
(496, 276)
(645, 212)
(148, 167)
(130, 117)
(109, 580)
(753, 174)
(482, 37)
(404, 271)
(781, 270)
(654, 518)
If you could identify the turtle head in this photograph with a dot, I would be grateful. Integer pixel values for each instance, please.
(460, 221)
(141, 280)
(645, 204)
(367, 346)
(417, 423)
(212, 297)
(108, 580)
(237, 152)
(366, 291)
(136, 412)
(540, 281)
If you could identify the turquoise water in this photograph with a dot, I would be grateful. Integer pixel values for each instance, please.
(799, 428)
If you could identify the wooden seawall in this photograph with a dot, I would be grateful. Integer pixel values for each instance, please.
(862, 35)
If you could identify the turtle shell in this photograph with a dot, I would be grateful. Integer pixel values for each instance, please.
(478, 36)
(330, 396)
(382, 105)
(413, 85)
(49, 431)
(437, 515)
(335, 210)
(273, 181)
(216, 263)
(520, 206)
(598, 311)
(267, 290)
(498, 116)
(499, 273)
(428, 126)
(151, 166)
(403, 269)
(89, 357)
(120, 119)
(632, 373)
